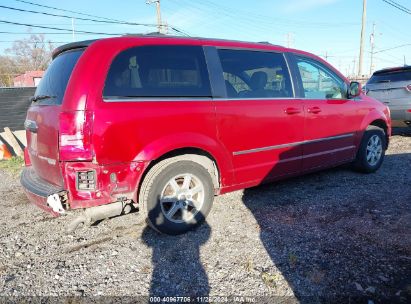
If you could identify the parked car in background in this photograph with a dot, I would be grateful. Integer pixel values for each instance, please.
(162, 124)
(393, 87)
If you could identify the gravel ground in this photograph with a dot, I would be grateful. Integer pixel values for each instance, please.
(314, 238)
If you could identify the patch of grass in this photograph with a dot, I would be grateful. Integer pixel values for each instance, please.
(14, 165)
(269, 279)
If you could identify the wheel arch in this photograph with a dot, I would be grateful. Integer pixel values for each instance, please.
(200, 156)
(195, 154)
(378, 119)
(380, 123)
(194, 143)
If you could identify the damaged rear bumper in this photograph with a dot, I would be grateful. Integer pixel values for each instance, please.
(113, 183)
(41, 193)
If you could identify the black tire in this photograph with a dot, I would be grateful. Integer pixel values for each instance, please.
(157, 179)
(361, 163)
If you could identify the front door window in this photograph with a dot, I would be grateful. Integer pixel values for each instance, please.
(319, 82)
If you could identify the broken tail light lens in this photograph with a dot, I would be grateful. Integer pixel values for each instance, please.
(86, 180)
(75, 136)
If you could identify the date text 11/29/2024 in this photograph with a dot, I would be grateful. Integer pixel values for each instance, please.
(200, 299)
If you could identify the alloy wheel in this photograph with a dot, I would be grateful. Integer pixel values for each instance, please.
(182, 198)
(374, 150)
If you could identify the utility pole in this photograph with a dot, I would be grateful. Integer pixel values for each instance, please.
(158, 9)
(372, 41)
(165, 28)
(289, 39)
(326, 56)
(363, 25)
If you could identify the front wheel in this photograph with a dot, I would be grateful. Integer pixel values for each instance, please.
(372, 150)
(177, 196)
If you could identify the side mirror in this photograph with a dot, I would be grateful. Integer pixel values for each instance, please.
(355, 89)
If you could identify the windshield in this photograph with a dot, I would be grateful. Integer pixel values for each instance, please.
(54, 82)
(404, 75)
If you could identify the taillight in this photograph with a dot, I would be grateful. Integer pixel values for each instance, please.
(408, 88)
(86, 180)
(75, 135)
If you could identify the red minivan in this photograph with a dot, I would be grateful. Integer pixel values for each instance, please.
(162, 124)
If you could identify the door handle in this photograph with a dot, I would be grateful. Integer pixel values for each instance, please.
(314, 110)
(31, 125)
(291, 111)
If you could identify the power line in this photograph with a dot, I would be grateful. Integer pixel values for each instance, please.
(392, 48)
(391, 56)
(248, 23)
(269, 19)
(67, 11)
(61, 29)
(394, 31)
(106, 20)
(401, 6)
(398, 6)
(386, 60)
(34, 42)
(246, 26)
(57, 28)
(34, 33)
(301, 23)
(78, 18)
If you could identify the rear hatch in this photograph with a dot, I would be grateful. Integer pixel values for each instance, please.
(391, 86)
(42, 122)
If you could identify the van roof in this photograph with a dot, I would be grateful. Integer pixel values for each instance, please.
(86, 43)
(195, 40)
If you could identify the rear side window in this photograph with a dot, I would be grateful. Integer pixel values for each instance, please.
(255, 74)
(404, 75)
(158, 71)
(55, 80)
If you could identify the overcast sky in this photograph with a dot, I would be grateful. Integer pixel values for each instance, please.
(323, 27)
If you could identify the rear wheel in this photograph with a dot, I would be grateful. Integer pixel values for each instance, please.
(372, 150)
(176, 195)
